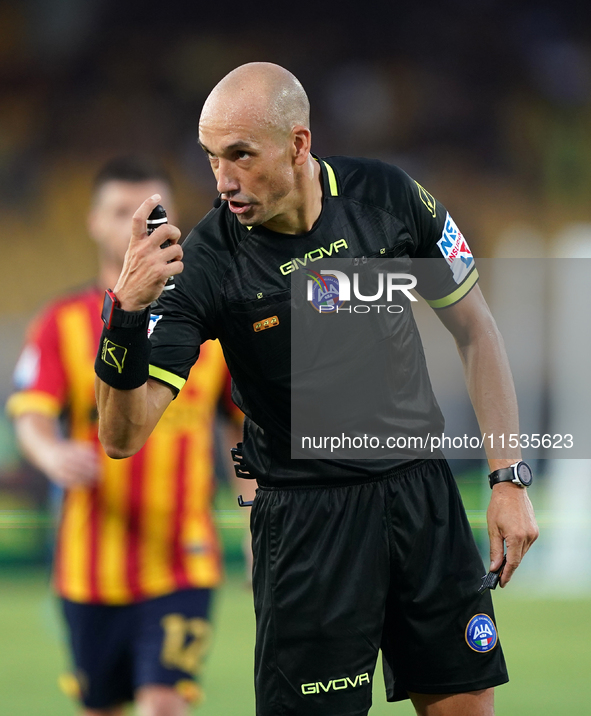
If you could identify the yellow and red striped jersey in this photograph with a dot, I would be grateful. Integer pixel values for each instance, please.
(145, 529)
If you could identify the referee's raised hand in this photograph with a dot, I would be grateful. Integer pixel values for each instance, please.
(146, 266)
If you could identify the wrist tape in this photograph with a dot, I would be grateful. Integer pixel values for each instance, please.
(123, 356)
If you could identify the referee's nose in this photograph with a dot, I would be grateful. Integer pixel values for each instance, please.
(226, 178)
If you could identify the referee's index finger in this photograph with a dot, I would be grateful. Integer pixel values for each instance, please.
(138, 222)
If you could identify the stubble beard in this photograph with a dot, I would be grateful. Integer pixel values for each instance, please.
(276, 203)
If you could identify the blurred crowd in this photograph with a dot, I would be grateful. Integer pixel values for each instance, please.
(486, 103)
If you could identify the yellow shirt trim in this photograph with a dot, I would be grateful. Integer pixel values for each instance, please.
(332, 180)
(166, 377)
(33, 401)
(460, 292)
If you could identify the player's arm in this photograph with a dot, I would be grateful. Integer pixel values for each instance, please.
(129, 412)
(68, 463)
(42, 396)
(510, 516)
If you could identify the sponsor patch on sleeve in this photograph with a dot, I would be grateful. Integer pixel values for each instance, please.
(152, 324)
(455, 250)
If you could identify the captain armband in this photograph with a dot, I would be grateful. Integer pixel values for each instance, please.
(123, 356)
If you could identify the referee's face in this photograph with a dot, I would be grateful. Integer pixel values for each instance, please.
(254, 167)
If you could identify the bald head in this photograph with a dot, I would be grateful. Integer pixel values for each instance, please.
(260, 92)
(254, 130)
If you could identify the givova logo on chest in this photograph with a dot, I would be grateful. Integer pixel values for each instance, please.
(314, 255)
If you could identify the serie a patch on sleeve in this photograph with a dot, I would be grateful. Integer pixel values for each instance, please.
(152, 324)
(481, 633)
(455, 250)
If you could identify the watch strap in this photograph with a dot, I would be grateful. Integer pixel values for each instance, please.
(115, 317)
(504, 474)
(130, 319)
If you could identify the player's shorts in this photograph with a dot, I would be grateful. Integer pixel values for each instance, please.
(341, 572)
(118, 649)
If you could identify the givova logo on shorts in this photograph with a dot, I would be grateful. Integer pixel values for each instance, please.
(481, 633)
(318, 687)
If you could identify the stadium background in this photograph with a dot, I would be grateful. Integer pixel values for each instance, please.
(487, 104)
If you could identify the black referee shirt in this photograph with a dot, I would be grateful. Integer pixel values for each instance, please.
(236, 276)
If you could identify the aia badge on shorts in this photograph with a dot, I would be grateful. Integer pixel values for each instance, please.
(481, 633)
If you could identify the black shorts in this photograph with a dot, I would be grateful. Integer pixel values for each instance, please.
(117, 649)
(340, 572)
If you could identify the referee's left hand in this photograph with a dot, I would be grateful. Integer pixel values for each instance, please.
(511, 522)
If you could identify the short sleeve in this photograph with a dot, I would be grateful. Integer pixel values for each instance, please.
(442, 263)
(184, 317)
(39, 376)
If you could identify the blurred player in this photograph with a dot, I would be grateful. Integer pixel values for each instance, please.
(137, 556)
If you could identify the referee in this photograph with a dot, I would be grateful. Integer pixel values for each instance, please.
(351, 556)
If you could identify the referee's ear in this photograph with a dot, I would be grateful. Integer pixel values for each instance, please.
(301, 143)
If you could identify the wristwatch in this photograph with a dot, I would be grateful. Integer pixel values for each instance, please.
(115, 317)
(519, 473)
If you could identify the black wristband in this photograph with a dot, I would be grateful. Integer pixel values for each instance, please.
(123, 356)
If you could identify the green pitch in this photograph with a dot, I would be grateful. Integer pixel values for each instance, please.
(547, 644)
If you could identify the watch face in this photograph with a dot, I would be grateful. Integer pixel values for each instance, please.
(108, 306)
(525, 474)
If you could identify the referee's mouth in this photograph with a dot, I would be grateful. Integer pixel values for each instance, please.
(238, 207)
